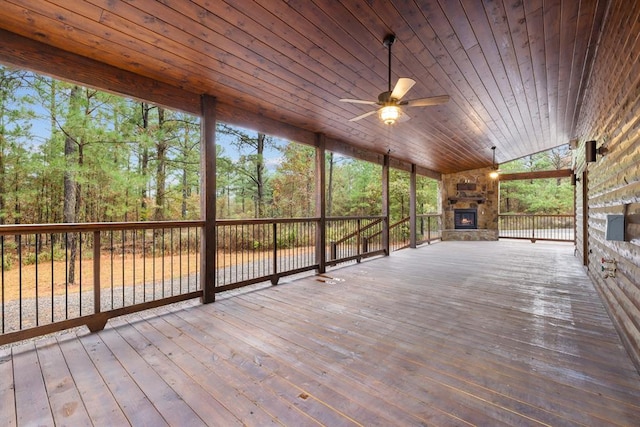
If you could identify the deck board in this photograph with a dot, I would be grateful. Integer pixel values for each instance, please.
(456, 333)
(64, 399)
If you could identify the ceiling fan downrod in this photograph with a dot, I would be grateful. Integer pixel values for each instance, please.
(388, 42)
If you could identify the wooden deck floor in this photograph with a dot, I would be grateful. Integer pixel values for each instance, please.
(457, 333)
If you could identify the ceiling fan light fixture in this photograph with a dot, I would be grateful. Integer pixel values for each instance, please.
(389, 114)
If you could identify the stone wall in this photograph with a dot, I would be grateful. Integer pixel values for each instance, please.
(483, 197)
(610, 115)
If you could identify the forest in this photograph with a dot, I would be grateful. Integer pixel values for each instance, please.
(73, 154)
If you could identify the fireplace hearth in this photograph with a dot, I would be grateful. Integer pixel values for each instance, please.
(465, 219)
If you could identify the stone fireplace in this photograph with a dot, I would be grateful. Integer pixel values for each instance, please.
(470, 206)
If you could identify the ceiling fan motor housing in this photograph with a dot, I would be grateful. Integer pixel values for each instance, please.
(384, 98)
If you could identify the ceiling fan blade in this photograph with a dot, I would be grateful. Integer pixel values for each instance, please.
(358, 101)
(425, 102)
(402, 87)
(362, 116)
(403, 117)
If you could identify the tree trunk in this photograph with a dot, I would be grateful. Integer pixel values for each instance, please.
(70, 184)
(161, 171)
(144, 163)
(260, 176)
(330, 185)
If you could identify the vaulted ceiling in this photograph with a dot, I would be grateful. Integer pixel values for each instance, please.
(515, 70)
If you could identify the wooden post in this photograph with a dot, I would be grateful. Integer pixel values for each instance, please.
(385, 205)
(321, 231)
(274, 276)
(208, 198)
(413, 229)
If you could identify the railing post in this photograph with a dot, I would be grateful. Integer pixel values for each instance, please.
(412, 208)
(428, 229)
(96, 272)
(334, 250)
(96, 322)
(357, 238)
(365, 244)
(321, 231)
(208, 199)
(274, 276)
(533, 229)
(385, 205)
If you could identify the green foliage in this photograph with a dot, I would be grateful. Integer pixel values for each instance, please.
(127, 160)
(7, 262)
(538, 196)
(44, 256)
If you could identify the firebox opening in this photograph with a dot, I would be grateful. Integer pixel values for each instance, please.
(465, 219)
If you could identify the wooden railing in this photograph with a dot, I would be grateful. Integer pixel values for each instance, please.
(55, 277)
(428, 229)
(60, 276)
(537, 227)
(253, 251)
(353, 238)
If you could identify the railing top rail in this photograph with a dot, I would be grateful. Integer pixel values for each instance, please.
(265, 221)
(425, 215)
(345, 218)
(538, 215)
(94, 226)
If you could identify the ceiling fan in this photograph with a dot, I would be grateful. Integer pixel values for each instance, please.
(391, 100)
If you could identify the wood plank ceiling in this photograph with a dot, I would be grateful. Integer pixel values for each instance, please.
(515, 70)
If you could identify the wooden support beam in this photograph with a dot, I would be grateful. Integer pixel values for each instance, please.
(208, 199)
(385, 205)
(28, 54)
(412, 208)
(560, 173)
(321, 203)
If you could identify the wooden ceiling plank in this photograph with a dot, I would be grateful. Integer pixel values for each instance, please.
(288, 62)
(488, 64)
(581, 60)
(237, 61)
(516, 22)
(37, 21)
(569, 11)
(458, 22)
(472, 121)
(491, 67)
(536, 47)
(364, 65)
(31, 25)
(551, 25)
(502, 34)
